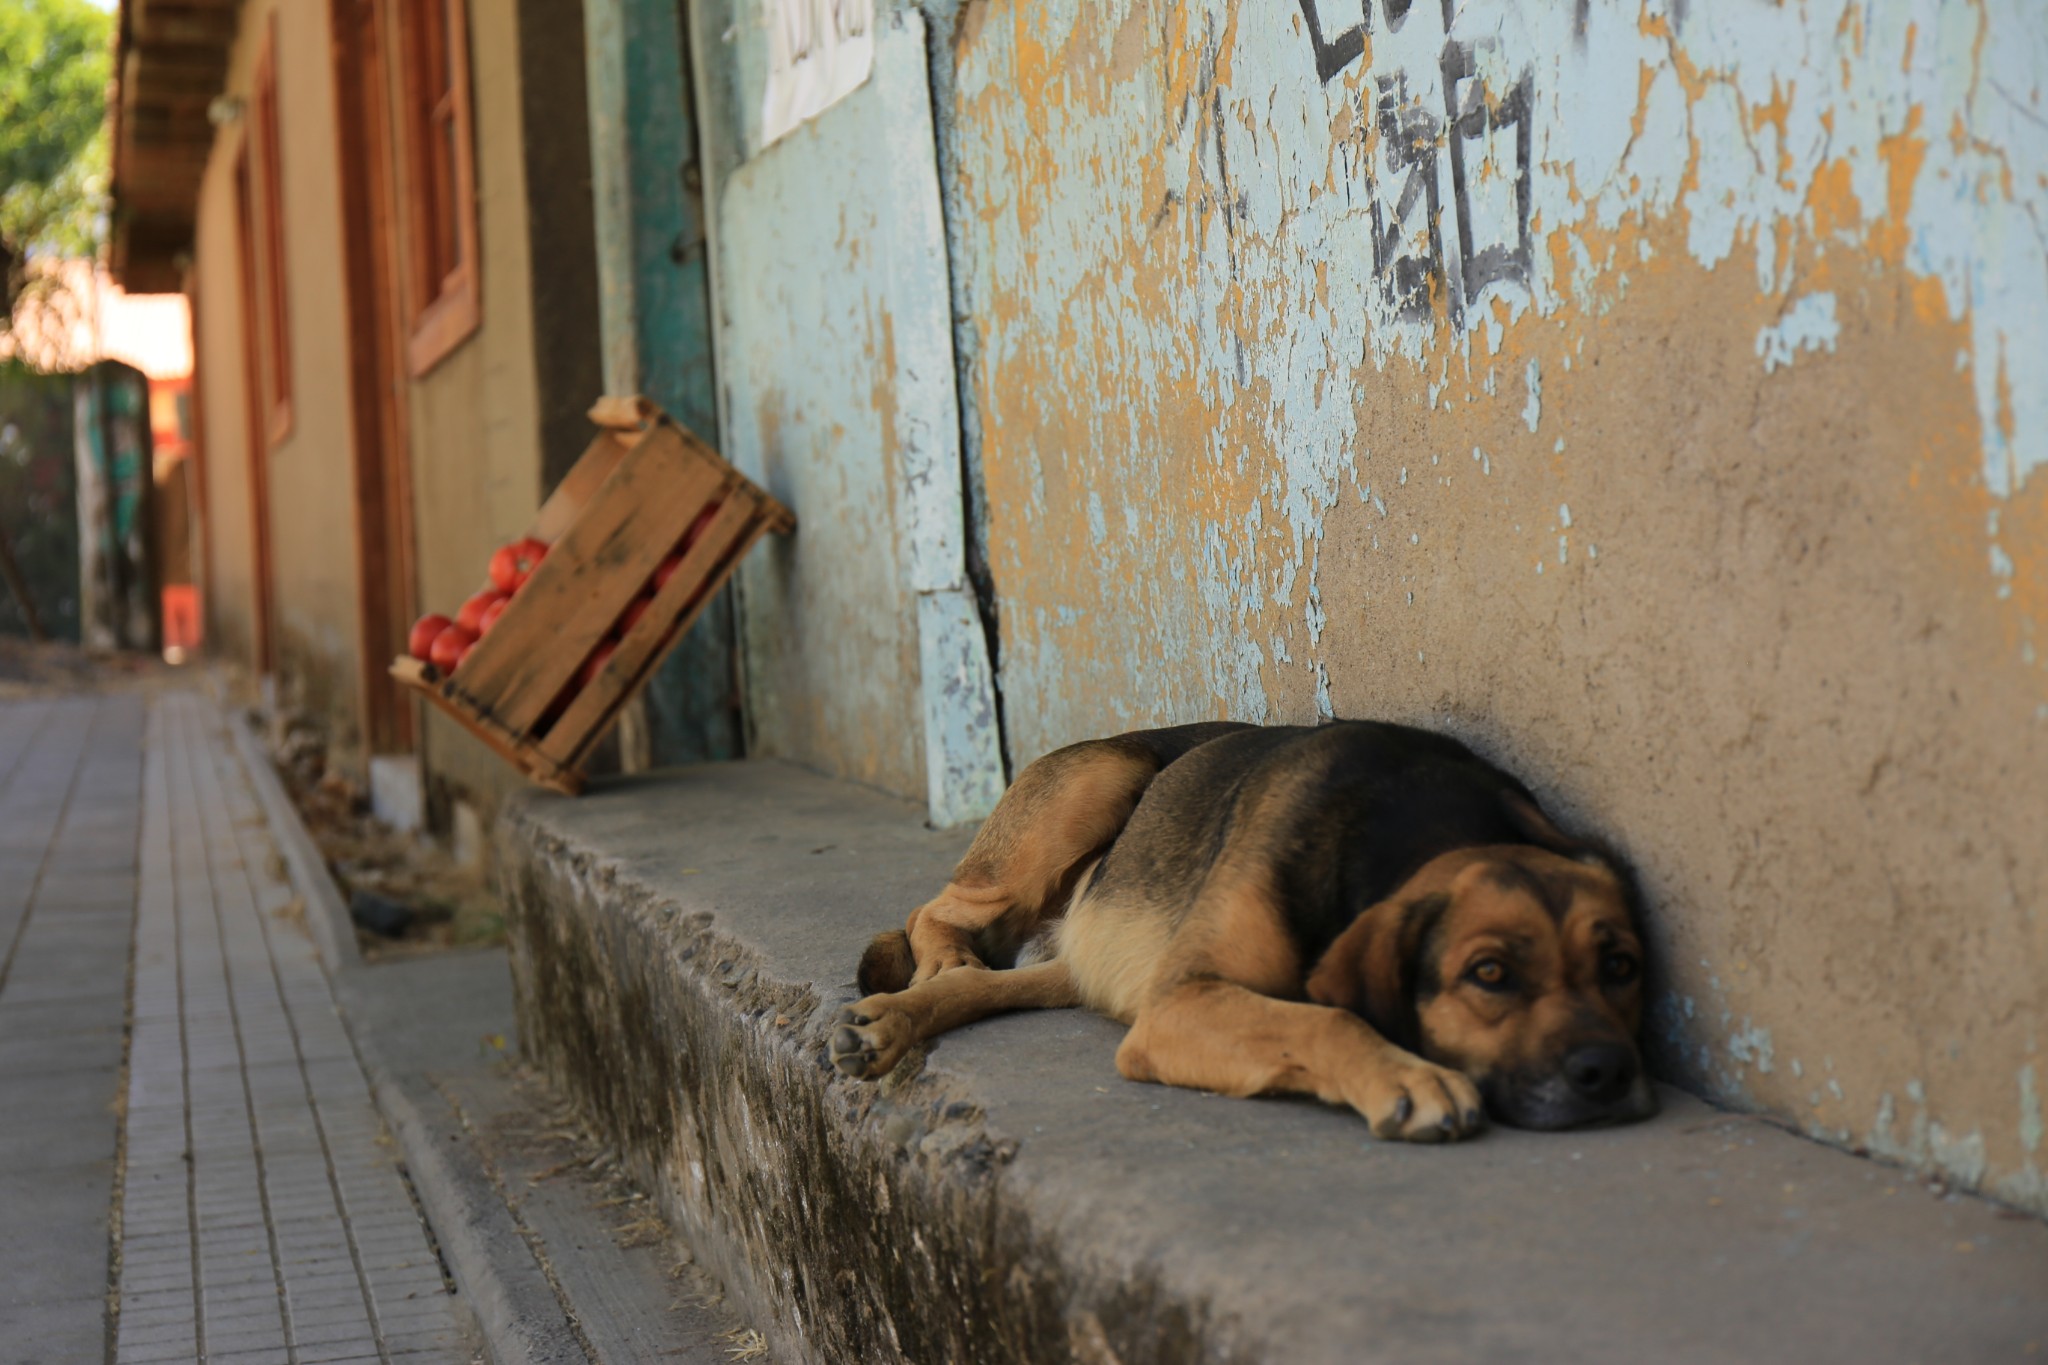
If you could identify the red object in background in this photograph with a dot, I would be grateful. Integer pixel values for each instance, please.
(491, 615)
(513, 564)
(450, 645)
(597, 660)
(181, 617)
(424, 632)
(663, 572)
(700, 526)
(635, 609)
(472, 613)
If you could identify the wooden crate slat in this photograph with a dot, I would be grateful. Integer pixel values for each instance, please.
(598, 566)
(519, 753)
(696, 578)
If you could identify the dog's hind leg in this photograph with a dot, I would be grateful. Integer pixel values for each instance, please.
(873, 1034)
(1058, 816)
(1215, 1035)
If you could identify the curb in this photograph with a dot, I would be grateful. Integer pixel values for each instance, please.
(326, 911)
(503, 1286)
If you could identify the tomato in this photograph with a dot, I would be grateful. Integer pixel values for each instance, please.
(491, 615)
(635, 609)
(513, 564)
(472, 613)
(700, 526)
(599, 657)
(663, 572)
(424, 632)
(451, 645)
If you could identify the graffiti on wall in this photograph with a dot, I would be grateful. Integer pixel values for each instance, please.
(1433, 153)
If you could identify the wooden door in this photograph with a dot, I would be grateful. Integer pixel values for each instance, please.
(386, 589)
(257, 421)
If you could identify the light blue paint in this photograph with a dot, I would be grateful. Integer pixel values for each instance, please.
(1532, 409)
(1806, 325)
(864, 652)
(963, 771)
(1750, 1045)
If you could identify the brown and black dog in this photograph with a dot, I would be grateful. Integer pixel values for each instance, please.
(1363, 912)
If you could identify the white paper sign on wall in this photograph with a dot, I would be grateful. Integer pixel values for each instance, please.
(819, 52)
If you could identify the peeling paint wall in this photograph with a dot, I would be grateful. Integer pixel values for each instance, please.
(864, 651)
(1655, 394)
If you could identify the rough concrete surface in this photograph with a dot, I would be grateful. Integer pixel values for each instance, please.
(680, 942)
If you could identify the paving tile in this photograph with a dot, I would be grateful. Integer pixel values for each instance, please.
(259, 1172)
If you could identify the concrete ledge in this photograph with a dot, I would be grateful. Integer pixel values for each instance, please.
(680, 942)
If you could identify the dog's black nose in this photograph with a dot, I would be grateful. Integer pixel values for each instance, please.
(1601, 1072)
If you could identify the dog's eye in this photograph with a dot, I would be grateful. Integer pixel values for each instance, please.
(1488, 973)
(1618, 969)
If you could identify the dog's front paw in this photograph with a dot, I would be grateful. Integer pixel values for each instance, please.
(1417, 1101)
(869, 1038)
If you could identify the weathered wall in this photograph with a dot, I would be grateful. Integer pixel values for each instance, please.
(312, 484)
(312, 529)
(476, 420)
(864, 655)
(1660, 406)
(217, 381)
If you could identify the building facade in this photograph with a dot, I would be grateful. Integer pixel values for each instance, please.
(1652, 395)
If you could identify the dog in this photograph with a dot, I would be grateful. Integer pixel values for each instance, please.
(1363, 912)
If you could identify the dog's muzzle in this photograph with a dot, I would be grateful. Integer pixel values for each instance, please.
(1594, 1083)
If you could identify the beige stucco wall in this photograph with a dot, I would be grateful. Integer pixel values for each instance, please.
(474, 438)
(475, 416)
(217, 375)
(312, 482)
(311, 485)
(1718, 514)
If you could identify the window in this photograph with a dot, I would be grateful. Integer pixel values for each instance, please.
(440, 178)
(267, 242)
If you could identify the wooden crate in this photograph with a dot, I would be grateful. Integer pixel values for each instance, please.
(621, 510)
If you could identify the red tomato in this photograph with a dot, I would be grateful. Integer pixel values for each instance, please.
(472, 613)
(664, 571)
(592, 665)
(635, 609)
(424, 632)
(513, 564)
(451, 645)
(491, 615)
(700, 526)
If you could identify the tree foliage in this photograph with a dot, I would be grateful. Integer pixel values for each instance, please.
(56, 57)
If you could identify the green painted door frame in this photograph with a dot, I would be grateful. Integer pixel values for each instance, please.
(654, 311)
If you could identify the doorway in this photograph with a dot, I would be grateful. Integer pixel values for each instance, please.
(386, 591)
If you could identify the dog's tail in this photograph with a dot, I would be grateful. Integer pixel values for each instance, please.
(888, 964)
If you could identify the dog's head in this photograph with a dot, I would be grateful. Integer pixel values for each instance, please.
(1517, 966)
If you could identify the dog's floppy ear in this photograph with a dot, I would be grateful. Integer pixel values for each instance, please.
(1374, 967)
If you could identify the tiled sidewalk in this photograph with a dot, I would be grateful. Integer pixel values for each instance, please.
(264, 1217)
(261, 1211)
(70, 799)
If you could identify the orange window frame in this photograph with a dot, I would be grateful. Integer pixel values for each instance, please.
(273, 312)
(437, 160)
